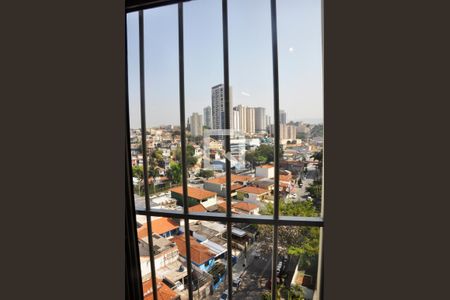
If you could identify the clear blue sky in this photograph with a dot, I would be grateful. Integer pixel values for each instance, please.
(250, 61)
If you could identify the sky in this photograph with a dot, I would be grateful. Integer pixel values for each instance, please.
(250, 58)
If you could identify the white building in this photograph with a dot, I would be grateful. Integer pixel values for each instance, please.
(287, 132)
(196, 124)
(265, 171)
(237, 149)
(250, 120)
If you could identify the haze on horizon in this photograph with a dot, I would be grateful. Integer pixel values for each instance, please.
(250, 59)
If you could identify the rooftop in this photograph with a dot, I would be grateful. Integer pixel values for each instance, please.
(253, 190)
(245, 206)
(285, 177)
(163, 225)
(197, 208)
(199, 253)
(234, 178)
(195, 193)
(160, 245)
(267, 166)
(164, 292)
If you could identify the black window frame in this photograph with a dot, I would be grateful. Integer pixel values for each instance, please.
(134, 282)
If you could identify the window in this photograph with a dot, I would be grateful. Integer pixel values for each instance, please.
(226, 144)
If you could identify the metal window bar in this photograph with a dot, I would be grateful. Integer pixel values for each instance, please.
(226, 87)
(144, 150)
(276, 220)
(183, 145)
(276, 111)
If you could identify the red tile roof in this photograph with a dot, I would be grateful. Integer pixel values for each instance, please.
(234, 178)
(163, 225)
(285, 177)
(197, 208)
(164, 291)
(142, 231)
(253, 190)
(196, 193)
(199, 253)
(245, 206)
(266, 166)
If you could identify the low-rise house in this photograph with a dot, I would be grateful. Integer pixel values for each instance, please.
(165, 227)
(199, 208)
(162, 226)
(164, 292)
(246, 208)
(265, 171)
(195, 196)
(204, 230)
(252, 194)
(267, 184)
(218, 185)
(201, 256)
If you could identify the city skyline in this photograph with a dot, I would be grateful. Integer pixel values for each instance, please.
(300, 59)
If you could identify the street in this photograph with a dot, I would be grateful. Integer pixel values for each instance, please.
(307, 181)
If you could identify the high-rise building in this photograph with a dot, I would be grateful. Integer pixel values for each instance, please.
(287, 132)
(236, 120)
(250, 120)
(218, 106)
(207, 117)
(242, 117)
(282, 117)
(260, 119)
(196, 124)
(291, 132)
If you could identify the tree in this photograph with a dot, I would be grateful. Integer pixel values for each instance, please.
(205, 173)
(318, 156)
(250, 157)
(261, 155)
(175, 172)
(300, 241)
(267, 151)
(138, 172)
(190, 159)
(315, 192)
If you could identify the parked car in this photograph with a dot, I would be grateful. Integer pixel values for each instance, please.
(224, 295)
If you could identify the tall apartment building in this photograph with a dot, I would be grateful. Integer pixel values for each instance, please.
(287, 132)
(250, 120)
(260, 119)
(282, 117)
(196, 124)
(218, 106)
(244, 119)
(207, 116)
(236, 119)
(240, 118)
